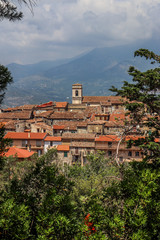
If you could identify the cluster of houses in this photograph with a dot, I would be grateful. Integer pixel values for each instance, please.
(87, 125)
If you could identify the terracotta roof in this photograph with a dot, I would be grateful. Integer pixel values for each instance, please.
(23, 107)
(71, 125)
(114, 124)
(97, 122)
(48, 104)
(63, 148)
(131, 137)
(34, 120)
(20, 153)
(53, 139)
(10, 125)
(107, 138)
(44, 114)
(58, 127)
(88, 136)
(16, 115)
(117, 116)
(82, 124)
(89, 111)
(61, 104)
(66, 115)
(98, 99)
(25, 135)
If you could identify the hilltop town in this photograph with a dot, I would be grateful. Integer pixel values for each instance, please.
(87, 125)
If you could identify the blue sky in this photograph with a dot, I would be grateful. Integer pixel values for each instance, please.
(66, 28)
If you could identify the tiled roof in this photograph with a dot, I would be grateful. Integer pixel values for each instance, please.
(20, 153)
(53, 139)
(114, 124)
(66, 115)
(58, 127)
(118, 116)
(16, 115)
(23, 107)
(63, 148)
(82, 124)
(48, 104)
(34, 120)
(97, 122)
(10, 125)
(61, 104)
(98, 99)
(44, 114)
(107, 138)
(131, 137)
(25, 135)
(88, 136)
(114, 138)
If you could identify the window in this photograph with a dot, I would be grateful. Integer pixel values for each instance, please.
(109, 153)
(39, 152)
(137, 154)
(65, 154)
(24, 143)
(38, 143)
(129, 154)
(109, 144)
(84, 160)
(38, 130)
(76, 93)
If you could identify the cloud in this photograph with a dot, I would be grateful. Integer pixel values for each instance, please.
(63, 28)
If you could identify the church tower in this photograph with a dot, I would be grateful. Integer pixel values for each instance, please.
(77, 93)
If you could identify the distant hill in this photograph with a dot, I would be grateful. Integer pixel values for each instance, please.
(97, 70)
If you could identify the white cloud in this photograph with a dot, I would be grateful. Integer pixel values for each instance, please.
(61, 28)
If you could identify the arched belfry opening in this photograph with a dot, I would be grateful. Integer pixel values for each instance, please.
(77, 93)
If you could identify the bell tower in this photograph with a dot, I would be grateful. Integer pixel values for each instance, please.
(77, 93)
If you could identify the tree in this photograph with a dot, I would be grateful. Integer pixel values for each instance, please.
(9, 11)
(5, 79)
(143, 104)
(44, 196)
(133, 204)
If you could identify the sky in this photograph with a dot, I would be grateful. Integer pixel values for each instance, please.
(61, 29)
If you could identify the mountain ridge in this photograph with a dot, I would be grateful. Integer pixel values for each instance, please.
(97, 70)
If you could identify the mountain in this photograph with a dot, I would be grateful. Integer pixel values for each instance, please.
(97, 70)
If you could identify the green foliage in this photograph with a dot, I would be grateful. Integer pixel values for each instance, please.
(45, 192)
(143, 102)
(14, 220)
(5, 79)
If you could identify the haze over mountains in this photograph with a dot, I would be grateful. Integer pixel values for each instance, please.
(97, 70)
